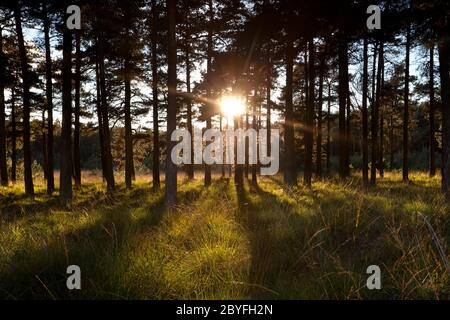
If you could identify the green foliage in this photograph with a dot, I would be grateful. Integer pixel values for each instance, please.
(223, 243)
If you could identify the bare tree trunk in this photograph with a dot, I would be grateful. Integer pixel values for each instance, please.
(76, 131)
(238, 169)
(320, 117)
(108, 168)
(13, 136)
(49, 95)
(44, 145)
(65, 192)
(190, 167)
(365, 127)
(269, 102)
(309, 143)
(375, 116)
(247, 126)
(290, 172)
(255, 127)
(343, 96)
(405, 170)
(381, 158)
(171, 169)
(328, 164)
(208, 84)
(99, 119)
(129, 165)
(432, 142)
(28, 174)
(154, 58)
(3, 167)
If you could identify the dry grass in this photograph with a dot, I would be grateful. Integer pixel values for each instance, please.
(228, 243)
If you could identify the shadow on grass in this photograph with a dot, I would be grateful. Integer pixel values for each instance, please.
(38, 271)
(270, 262)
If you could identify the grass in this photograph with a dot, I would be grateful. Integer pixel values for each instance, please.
(261, 242)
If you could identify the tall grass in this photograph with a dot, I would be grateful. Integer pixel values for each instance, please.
(225, 242)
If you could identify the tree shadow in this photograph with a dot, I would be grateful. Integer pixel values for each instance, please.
(270, 263)
(39, 271)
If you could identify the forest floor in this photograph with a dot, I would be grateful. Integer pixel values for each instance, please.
(226, 243)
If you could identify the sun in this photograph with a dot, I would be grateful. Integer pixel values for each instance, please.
(232, 106)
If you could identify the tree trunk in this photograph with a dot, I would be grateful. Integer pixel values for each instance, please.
(99, 119)
(129, 162)
(343, 96)
(444, 69)
(290, 172)
(208, 84)
(405, 170)
(65, 192)
(108, 169)
(190, 167)
(28, 174)
(76, 131)
(49, 95)
(432, 147)
(365, 129)
(269, 102)
(320, 117)
(329, 130)
(128, 132)
(154, 58)
(309, 143)
(3, 168)
(375, 116)
(381, 158)
(44, 145)
(171, 169)
(255, 127)
(13, 137)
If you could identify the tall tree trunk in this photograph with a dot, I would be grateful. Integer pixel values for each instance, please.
(108, 169)
(290, 172)
(65, 192)
(320, 117)
(269, 103)
(328, 164)
(129, 165)
(246, 142)
(99, 119)
(444, 69)
(49, 95)
(391, 138)
(190, 167)
(365, 127)
(208, 84)
(13, 136)
(432, 142)
(381, 155)
(343, 96)
(28, 174)
(254, 127)
(309, 143)
(3, 168)
(44, 145)
(171, 169)
(129, 162)
(405, 170)
(238, 168)
(154, 58)
(375, 117)
(76, 131)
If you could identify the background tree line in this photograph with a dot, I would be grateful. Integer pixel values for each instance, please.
(339, 92)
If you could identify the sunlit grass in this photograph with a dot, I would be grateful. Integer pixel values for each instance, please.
(227, 243)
